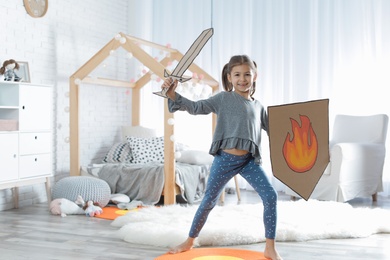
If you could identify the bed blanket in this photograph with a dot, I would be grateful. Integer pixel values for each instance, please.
(192, 181)
(145, 182)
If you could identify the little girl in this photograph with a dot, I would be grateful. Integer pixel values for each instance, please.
(235, 146)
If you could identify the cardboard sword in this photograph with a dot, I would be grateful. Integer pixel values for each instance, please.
(186, 61)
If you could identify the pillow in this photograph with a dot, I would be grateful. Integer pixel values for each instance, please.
(181, 147)
(146, 150)
(195, 157)
(119, 153)
(119, 198)
(137, 131)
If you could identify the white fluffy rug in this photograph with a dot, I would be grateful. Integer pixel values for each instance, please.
(242, 224)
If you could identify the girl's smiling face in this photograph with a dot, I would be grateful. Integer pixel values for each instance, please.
(242, 78)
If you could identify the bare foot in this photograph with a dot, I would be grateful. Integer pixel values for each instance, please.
(270, 250)
(272, 254)
(185, 246)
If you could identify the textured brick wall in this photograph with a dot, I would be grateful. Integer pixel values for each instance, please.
(55, 46)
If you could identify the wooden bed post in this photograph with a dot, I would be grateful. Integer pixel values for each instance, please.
(136, 107)
(169, 156)
(80, 75)
(74, 127)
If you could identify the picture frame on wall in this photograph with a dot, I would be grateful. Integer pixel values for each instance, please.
(24, 71)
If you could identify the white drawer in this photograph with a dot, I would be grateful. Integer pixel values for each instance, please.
(35, 165)
(35, 143)
(9, 157)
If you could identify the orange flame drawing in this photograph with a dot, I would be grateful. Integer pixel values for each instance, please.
(301, 152)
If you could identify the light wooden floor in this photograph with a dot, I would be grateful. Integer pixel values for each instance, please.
(33, 233)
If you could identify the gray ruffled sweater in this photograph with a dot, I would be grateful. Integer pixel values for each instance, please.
(239, 121)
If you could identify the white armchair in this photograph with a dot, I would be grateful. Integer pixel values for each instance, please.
(357, 155)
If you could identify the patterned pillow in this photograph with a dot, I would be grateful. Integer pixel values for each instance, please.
(146, 150)
(119, 153)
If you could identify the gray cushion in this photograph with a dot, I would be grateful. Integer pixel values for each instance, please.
(119, 153)
(89, 188)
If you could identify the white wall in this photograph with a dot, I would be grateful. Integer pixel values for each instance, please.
(55, 46)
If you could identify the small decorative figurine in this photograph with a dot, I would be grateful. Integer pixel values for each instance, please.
(8, 70)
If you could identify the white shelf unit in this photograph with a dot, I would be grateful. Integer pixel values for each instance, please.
(25, 136)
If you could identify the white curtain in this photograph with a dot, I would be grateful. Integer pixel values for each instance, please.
(305, 50)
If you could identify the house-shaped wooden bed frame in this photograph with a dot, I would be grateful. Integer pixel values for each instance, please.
(132, 45)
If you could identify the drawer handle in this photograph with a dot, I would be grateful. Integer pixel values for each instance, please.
(36, 137)
(36, 159)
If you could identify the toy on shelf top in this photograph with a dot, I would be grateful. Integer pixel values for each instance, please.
(8, 70)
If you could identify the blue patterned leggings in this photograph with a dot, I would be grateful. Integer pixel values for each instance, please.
(224, 167)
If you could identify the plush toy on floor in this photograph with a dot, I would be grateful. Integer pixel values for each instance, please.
(92, 209)
(66, 207)
(8, 70)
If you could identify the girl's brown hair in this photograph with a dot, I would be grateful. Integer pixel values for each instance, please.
(236, 61)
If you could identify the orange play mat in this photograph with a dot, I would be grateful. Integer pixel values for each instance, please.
(214, 254)
(112, 212)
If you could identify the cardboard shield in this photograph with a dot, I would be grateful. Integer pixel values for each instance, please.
(299, 144)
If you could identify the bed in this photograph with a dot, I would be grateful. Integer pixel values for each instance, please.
(135, 47)
(135, 167)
